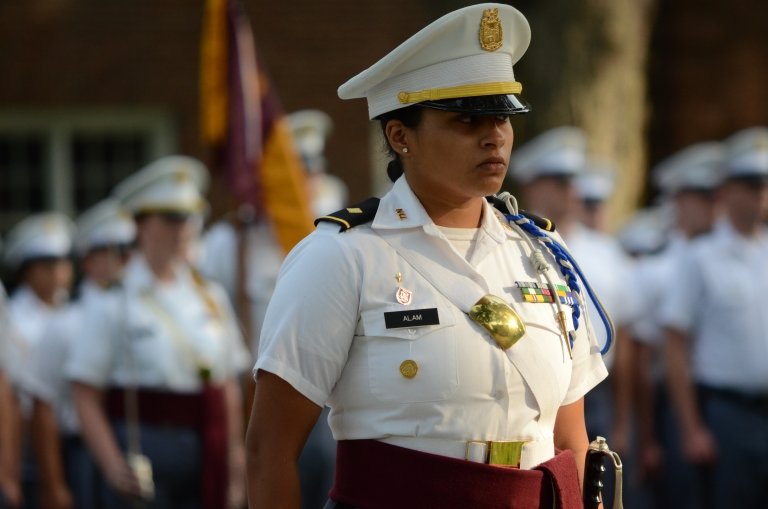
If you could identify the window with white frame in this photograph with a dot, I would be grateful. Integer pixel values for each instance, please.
(67, 161)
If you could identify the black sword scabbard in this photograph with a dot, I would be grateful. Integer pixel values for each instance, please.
(594, 471)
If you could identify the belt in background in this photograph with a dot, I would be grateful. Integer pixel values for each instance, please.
(754, 400)
(205, 412)
(522, 454)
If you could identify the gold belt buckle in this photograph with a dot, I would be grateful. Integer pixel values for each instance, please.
(501, 453)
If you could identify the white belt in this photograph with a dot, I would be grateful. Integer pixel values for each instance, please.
(532, 452)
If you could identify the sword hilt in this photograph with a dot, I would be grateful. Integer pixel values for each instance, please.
(594, 472)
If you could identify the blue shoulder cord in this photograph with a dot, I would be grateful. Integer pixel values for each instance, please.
(567, 265)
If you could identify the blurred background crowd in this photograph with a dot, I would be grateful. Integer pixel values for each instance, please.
(159, 159)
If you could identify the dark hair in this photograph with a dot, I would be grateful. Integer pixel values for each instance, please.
(410, 117)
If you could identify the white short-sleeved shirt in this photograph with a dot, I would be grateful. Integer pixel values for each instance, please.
(327, 334)
(651, 279)
(220, 264)
(47, 380)
(157, 335)
(717, 297)
(608, 271)
(28, 317)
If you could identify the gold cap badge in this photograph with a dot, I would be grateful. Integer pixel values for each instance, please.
(490, 30)
(181, 175)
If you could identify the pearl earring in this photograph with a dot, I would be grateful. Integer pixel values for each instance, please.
(405, 150)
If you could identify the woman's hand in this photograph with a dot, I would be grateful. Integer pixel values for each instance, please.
(122, 479)
(56, 496)
(10, 491)
(651, 459)
(699, 446)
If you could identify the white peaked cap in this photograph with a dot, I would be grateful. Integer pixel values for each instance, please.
(747, 153)
(310, 129)
(647, 231)
(559, 151)
(104, 224)
(597, 182)
(696, 167)
(466, 53)
(45, 235)
(169, 184)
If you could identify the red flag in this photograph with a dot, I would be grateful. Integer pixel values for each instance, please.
(244, 125)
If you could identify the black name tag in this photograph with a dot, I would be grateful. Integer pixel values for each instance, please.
(411, 318)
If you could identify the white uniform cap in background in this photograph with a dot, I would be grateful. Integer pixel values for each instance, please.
(747, 153)
(104, 224)
(311, 129)
(45, 235)
(559, 151)
(171, 184)
(647, 231)
(698, 167)
(466, 53)
(596, 184)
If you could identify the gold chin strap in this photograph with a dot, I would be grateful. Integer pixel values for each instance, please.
(478, 89)
(499, 319)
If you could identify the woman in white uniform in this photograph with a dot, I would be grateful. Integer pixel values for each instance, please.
(155, 373)
(68, 475)
(38, 253)
(453, 367)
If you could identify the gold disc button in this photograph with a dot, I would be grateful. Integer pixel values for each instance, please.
(409, 368)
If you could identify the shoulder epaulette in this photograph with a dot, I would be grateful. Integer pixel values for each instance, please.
(352, 216)
(542, 222)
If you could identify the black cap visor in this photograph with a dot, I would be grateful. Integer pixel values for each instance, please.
(753, 179)
(481, 105)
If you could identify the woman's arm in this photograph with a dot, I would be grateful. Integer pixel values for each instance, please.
(97, 433)
(698, 443)
(571, 433)
(47, 444)
(281, 419)
(10, 444)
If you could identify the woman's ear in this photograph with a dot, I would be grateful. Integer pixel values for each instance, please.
(396, 134)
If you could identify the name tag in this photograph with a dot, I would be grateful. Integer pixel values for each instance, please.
(411, 318)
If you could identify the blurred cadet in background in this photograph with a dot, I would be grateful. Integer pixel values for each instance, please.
(688, 181)
(594, 187)
(155, 372)
(716, 320)
(547, 169)
(68, 474)
(311, 129)
(37, 251)
(642, 237)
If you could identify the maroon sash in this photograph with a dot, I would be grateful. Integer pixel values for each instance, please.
(205, 412)
(374, 475)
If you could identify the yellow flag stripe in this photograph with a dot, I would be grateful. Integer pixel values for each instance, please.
(284, 187)
(213, 73)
